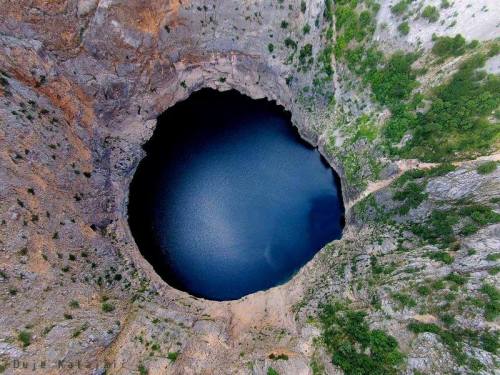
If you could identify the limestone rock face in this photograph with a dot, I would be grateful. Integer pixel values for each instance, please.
(82, 83)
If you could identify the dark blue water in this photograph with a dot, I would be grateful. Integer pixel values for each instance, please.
(229, 200)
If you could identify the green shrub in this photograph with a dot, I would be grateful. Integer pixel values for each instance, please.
(419, 327)
(107, 307)
(395, 81)
(270, 47)
(492, 307)
(438, 229)
(74, 304)
(404, 299)
(445, 4)
(440, 170)
(456, 278)
(423, 290)
(489, 341)
(400, 7)
(354, 347)
(480, 214)
(172, 356)
(488, 167)
(447, 319)
(271, 371)
(303, 6)
(328, 13)
(404, 28)
(142, 369)
(25, 338)
(281, 356)
(438, 285)
(412, 195)
(493, 257)
(494, 49)
(431, 13)
(446, 46)
(441, 256)
(305, 55)
(284, 24)
(290, 43)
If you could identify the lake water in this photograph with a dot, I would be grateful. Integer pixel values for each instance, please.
(229, 200)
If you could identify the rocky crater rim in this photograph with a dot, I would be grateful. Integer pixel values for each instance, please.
(255, 92)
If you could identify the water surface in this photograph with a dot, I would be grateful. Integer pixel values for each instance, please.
(229, 200)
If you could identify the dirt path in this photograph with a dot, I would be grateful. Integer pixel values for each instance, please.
(407, 164)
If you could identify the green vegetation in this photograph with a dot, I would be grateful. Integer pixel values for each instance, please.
(303, 6)
(404, 299)
(423, 290)
(412, 195)
(404, 28)
(447, 319)
(107, 307)
(354, 347)
(493, 257)
(492, 306)
(305, 57)
(454, 339)
(351, 25)
(400, 7)
(445, 4)
(413, 174)
(74, 304)
(290, 43)
(271, 371)
(172, 356)
(411, 192)
(456, 278)
(488, 167)
(490, 342)
(441, 256)
(438, 228)
(270, 47)
(391, 81)
(25, 338)
(431, 13)
(456, 124)
(281, 356)
(142, 369)
(445, 46)
(80, 330)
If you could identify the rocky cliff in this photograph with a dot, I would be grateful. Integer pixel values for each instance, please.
(404, 110)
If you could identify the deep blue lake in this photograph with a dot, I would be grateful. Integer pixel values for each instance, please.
(229, 200)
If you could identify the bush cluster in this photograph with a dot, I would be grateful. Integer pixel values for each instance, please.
(354, 347)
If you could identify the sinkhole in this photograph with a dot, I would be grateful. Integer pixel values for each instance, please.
(229, 200)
